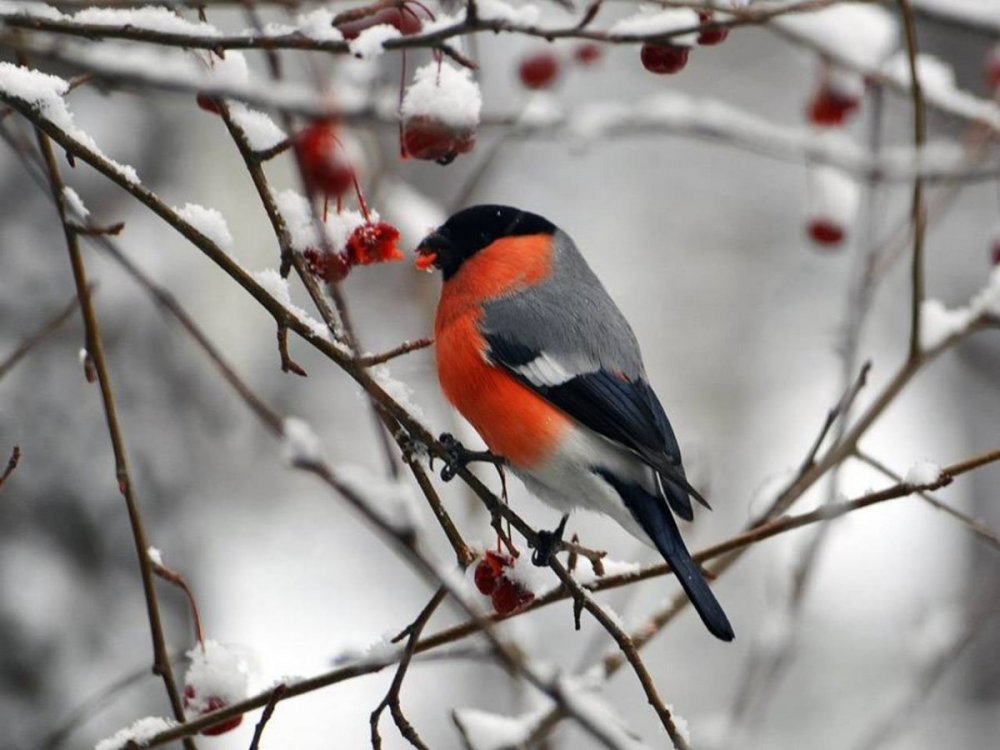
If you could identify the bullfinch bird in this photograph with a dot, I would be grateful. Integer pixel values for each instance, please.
(536, 356)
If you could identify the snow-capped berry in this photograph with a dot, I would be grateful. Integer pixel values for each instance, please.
(324, 164)
(663, 59)
(432, 140)
(406, 22)
(825, 232)
(207, 102)
(538, 70)
(831, 205)
(217, 677)
(712, 37)
(373, 242)
(212, 703)
(329, 267)
(440, 113)
(509, 596)
(485, 578)
(587, 53)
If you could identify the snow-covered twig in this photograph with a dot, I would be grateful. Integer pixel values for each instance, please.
(983, 532)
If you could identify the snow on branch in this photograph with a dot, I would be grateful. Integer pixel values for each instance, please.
(44, 93)
(940, 324)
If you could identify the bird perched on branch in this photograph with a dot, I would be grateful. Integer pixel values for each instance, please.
(538, 358)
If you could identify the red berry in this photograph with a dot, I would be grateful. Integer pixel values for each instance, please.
(405, 21)
(325, 167)
(330, 267)
(663, 59)
(587, 53)
(825, 232)
(373, 243)
(829, 107)
(993, 69)
(212, 703)
(509, 596)
(432, 140)
(995, 254)
(539, 70)
(713, 36)
(207, 102)
(485, 577)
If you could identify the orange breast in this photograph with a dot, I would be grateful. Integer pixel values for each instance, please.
(514, 421)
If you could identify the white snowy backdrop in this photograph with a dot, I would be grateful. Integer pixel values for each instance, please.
(742, 323)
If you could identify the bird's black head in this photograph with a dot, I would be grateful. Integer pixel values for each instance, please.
(472, 229)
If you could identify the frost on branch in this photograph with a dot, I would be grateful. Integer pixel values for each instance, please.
(655, 20)
(482, 730)
(75, 203)
(939, 323)
(209, 222)
(922, 472)
(140, 732)
(497, 10)
(44, 94)
(154, 555)
(300, 444)
(369, 43)
(277, 287)
(864, 35)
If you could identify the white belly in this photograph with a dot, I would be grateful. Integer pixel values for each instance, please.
(566, 481)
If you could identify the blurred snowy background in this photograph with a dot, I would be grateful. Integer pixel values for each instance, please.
(741, 321)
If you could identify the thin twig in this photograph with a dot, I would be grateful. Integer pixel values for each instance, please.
(95, 347)
(258, 731)
(841, 408)
(391, 699)
(985, 534)
(918, 215)
(50, 326)
(15, 457)
(406, 347)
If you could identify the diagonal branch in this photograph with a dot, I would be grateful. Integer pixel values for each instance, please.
(49, 327)
(95, 348)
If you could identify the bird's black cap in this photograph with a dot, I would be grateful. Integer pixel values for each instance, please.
(471, 229)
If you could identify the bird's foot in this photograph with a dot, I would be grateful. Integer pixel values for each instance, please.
(548, 544)
(459, 456)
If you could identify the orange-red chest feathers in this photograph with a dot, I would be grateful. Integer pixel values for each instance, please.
(514, 421)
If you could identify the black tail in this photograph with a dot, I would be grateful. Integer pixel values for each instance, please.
(656, 520)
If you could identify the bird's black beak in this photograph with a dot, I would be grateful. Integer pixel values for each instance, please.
(431, 250)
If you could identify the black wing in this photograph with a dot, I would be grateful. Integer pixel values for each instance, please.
(622, 410)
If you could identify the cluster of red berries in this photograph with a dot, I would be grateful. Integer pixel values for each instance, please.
(200, 707)
(371, 242)
(666, 59)
(506, 594)
(327, 171)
